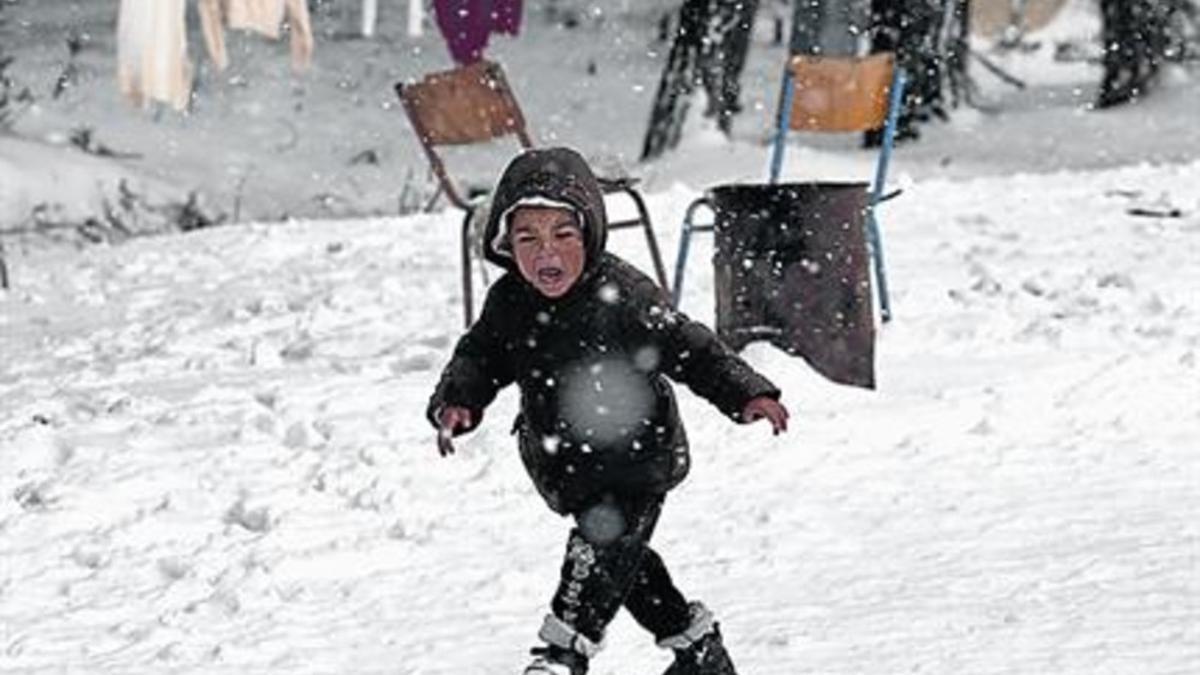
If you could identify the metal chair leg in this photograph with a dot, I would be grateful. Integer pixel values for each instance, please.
(685, 238)
(651, 241)
(468, 304)
(896, 98)
(873, 240)
(783, 123)
(680, 263)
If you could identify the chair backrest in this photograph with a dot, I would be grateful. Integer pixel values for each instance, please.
(464, 106)
(840, 93)
(845, 94)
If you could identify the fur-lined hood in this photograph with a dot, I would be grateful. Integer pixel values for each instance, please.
(548, 177)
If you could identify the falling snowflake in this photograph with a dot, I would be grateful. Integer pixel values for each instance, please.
(605, 400)
(609, 293)
(646, 359)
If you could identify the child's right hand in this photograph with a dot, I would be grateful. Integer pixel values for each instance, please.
(451, 419)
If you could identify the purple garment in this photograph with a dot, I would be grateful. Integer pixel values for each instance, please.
(467, 24)
(506, 16)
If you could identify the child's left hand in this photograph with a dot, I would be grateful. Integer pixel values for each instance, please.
(451, 418)
(769, 408)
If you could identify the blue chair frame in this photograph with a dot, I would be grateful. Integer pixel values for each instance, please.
(783, 124)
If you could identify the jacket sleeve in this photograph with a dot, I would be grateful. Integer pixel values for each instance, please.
(479, 368)
(688, 352)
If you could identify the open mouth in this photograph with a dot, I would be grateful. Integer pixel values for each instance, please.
(550, 275)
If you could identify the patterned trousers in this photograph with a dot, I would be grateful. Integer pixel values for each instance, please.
(609, 564)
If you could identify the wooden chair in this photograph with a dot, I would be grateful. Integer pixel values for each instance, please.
(831, 94)
(475, 104)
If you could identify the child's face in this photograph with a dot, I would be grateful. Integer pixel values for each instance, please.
(548, 246)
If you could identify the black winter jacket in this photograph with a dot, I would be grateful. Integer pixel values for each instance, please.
(597, 412)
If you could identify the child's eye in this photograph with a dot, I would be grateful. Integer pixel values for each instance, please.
(566, 234)
(525, 239)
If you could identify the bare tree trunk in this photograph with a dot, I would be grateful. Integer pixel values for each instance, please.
(678, 80)
(1136, 35)
(929, 38)
(725, 60)
(709, 49)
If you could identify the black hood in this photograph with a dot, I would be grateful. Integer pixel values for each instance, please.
(555, 174)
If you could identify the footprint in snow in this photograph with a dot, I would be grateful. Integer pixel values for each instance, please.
(417, 362)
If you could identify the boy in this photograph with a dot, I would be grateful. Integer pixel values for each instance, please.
(590, 341)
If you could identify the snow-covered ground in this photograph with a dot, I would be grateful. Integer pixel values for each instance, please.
(262, 144)
(213, 457)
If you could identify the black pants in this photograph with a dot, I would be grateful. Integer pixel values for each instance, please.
(609, 564)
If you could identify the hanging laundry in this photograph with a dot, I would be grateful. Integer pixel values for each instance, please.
(265, 17)
(465, 27)
(212, 15)
(302, 35)
(370, 17)
(467, 24)
(152, 63)
(507, 15)
(416, 18)
(261, 16)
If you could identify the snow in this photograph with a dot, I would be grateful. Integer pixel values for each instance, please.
(214, 457)
(606, 400)
(57, 184)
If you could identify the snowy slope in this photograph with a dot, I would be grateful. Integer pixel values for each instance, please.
(262, 144)
(214, 457)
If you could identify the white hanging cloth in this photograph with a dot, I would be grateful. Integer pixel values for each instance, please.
(370, 16)
(416, 18)
(152, 63)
